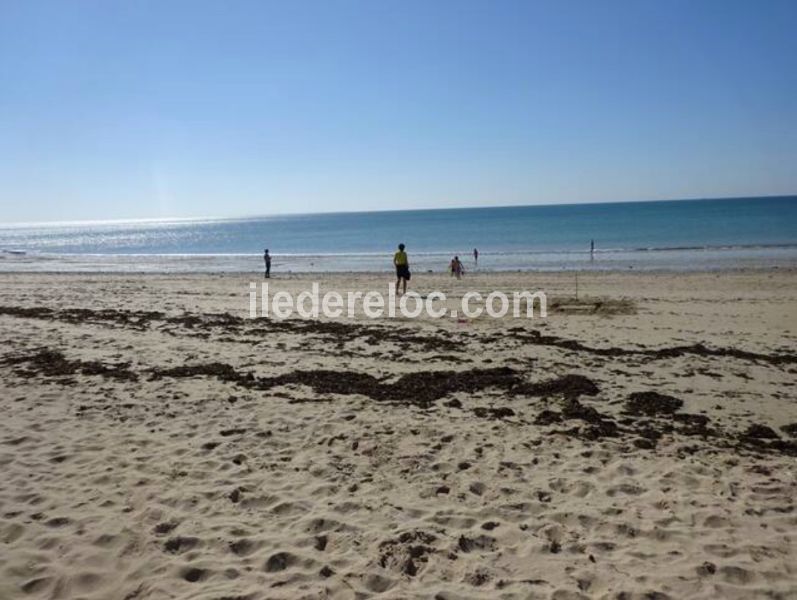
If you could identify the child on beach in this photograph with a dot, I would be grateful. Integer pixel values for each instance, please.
(457, 268)
(402, 265)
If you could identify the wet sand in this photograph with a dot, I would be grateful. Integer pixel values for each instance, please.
(640, 442)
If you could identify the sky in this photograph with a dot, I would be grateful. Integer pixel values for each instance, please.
(116, 110)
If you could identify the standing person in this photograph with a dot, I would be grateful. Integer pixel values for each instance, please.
(267, 260)
(457, 268)
(402, 265)
(476, 256)
(591, 249)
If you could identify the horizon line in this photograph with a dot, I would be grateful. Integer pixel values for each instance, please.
(122, 220)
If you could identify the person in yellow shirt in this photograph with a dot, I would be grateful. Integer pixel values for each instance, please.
(402, 264)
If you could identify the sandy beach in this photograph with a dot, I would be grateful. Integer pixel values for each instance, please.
(639, 442)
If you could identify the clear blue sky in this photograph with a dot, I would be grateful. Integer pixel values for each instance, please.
(112, 109)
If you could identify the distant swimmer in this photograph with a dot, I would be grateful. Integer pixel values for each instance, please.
(476, 256)
(402, 264)
(267, 260)
(457, 268)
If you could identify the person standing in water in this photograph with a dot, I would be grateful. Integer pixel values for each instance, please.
(591, 249)
(475, 256)
(267, 260)
(402, 264)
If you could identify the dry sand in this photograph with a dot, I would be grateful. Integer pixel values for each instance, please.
(638, 443)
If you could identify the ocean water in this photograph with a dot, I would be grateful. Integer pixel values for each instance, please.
(672, 235)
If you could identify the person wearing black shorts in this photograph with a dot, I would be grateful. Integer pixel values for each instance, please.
(402, 265)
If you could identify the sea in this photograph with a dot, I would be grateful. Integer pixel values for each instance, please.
(677, 235)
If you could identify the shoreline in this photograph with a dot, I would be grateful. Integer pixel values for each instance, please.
(791, 268)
